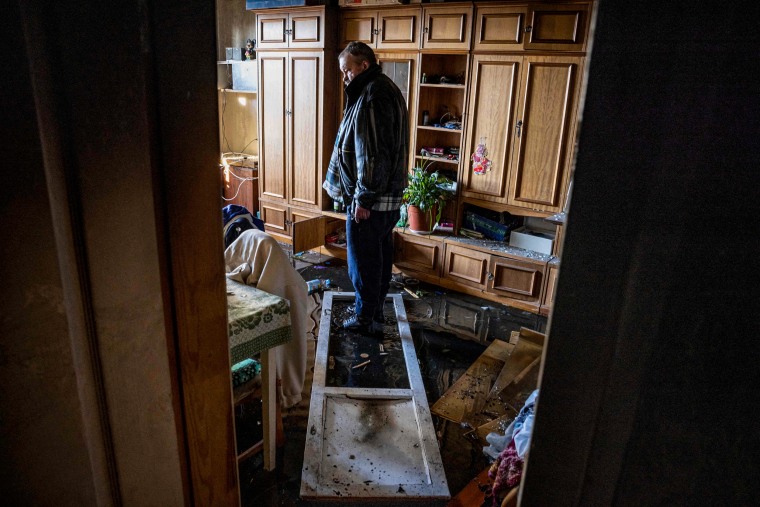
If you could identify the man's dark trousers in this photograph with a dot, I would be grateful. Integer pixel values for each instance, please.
(370, 260)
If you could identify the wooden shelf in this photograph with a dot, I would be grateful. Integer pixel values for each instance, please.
(231, 90)
(334, 214)
(439, 129)
(438, 159)
(432, 85)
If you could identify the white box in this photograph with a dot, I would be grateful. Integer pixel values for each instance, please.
(537, 240)
(244, 75)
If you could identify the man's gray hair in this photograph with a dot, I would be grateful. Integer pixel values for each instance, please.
(360, 51)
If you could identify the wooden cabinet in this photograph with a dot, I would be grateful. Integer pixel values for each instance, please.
(293, 142)
(540, 27)
(465, 266)
(418, 253)
(492, 108)
(447, 27)
(391, 29)
(557, 27)
(275, 217)
(521, 279)
(522, 109)
(547, 301)
(499, 28)
(240, 186)
(303, 29)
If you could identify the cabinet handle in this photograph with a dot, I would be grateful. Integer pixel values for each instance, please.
(288, 31)
(489, 275)
(288, 112)
(528, 29)
(425, 30)
(518, 128)
(288, 222)
(375, 31)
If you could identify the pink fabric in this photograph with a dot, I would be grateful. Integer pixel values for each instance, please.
(506, 471)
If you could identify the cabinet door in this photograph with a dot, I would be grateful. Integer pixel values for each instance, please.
(306, 30)
(547, 302)
(417, 253)
(499, 28)
(402, 69)
(447, 28)
(308, 230)
(398, 29)
(543, 140)
(304, 117)
(557, 27)
(272, 139)
(465, 266)
(358, 26)
(272, 31)
(516, 279)
(275, 217)
(491, 115)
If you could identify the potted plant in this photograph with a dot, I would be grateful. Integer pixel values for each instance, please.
(424, 197)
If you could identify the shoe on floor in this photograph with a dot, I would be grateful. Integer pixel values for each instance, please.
(362, 325)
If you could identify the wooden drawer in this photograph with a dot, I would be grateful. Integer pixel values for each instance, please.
(516, 279)
(465, 266)
(418, 253)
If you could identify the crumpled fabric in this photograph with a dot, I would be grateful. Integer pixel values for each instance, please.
(506, 472)
(256, 259)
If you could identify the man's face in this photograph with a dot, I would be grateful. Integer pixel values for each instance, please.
(351, 68)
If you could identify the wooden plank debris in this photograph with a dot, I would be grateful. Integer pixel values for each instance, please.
(496, 384)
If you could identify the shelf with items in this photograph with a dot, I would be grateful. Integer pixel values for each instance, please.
(441, 102)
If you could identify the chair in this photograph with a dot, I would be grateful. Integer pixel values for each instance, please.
(246, 378)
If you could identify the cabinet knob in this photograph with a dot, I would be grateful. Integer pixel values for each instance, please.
(489, 275)
(528, 29)
(288, 112)
(425, 30)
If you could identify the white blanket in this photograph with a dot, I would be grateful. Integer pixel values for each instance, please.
(255, 258)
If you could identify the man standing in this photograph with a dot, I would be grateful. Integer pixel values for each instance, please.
(368, 172)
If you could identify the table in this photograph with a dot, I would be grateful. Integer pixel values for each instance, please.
(258, 322)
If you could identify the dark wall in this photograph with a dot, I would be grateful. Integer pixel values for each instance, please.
(651, 374)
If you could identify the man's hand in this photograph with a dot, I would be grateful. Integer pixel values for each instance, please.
(360, 213)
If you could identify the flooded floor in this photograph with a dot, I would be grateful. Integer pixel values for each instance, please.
(449, 330)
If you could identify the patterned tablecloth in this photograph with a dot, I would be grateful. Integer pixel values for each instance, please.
(257, 320)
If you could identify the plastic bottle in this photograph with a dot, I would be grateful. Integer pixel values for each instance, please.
(317, 285)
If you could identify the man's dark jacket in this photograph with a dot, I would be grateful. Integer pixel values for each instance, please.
(370, 158)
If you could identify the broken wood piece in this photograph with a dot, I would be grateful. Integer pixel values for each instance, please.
(365, 363)
(525, 355)
(411, 293)
(474, 493)
(457, 402)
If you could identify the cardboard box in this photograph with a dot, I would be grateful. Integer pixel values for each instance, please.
(537, 240)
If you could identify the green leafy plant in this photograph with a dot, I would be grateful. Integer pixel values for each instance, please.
(427, 190)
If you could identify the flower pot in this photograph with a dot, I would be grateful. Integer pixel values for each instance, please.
(421, 222)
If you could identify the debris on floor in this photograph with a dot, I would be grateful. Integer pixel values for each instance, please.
(491, 391)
